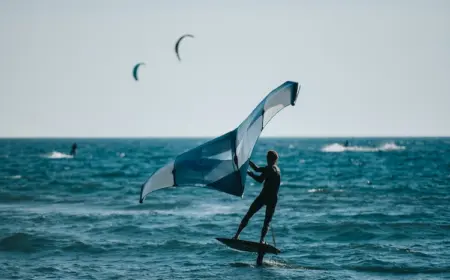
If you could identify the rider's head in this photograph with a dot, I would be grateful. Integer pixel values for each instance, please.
(272, 157)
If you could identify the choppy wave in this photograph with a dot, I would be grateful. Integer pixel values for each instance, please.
(201, 210)
(23, 242)
(6, 196)
(378, 212)
(29, 243)
(337, 148)
(392, 268)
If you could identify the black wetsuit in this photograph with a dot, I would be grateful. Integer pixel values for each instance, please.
(74, 149)
(271, 177)
(269, 194)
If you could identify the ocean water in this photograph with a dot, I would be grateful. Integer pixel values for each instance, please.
(377, 209)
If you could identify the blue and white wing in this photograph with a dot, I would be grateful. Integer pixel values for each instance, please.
(222, 163)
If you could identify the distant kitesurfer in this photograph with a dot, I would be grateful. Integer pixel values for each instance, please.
(74, 149)
(271, 177)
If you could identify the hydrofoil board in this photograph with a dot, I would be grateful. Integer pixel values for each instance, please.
(248, 246)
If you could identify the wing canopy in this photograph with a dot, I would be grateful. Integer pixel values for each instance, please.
(135, 70)
(222, 163)
(177, 44)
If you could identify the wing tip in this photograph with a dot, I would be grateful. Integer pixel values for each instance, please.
(141, 198)
(295, 91)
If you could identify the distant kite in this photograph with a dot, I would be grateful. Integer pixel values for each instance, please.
(135, 70)
(178, 44)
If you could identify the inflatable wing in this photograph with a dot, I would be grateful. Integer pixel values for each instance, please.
(177, 44)
(135, 70)
(222, 163)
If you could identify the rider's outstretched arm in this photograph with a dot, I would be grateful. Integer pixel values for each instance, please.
(258, 178)
(256, 167)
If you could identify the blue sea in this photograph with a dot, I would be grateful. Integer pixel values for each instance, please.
(376, 209)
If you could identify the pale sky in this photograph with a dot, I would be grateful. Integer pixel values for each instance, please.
(367, 68)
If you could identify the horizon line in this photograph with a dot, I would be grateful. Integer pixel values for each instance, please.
(212, 137)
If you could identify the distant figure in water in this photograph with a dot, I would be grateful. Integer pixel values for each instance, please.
(346, 143)
(74, 149)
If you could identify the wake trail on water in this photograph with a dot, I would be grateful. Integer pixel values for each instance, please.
(56, 155)
(338, 148)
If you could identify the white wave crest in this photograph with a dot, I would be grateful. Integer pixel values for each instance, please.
(391, 147)
(15, 177)
(57, 155)
(337, 148)
(316, 190)
(323, 190)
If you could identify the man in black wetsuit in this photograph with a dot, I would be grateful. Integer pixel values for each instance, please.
(271, 177)
(73, 152)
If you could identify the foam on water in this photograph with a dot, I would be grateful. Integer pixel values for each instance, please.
(337, 148)
(76, 210)
(57, 155)
(323, 190)
(14, 177)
